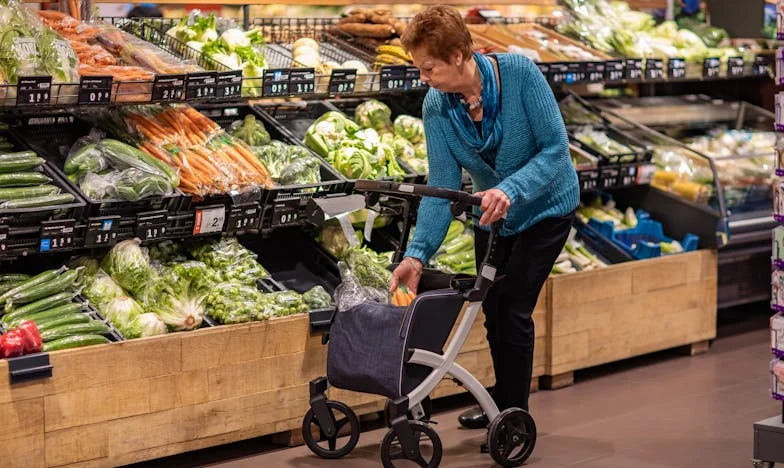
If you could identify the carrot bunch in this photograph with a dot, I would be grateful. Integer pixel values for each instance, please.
(210, 161)
(69, 27)
(402, 297)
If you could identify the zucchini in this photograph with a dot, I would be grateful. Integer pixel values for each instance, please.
(5, 157)
(13, 278)
(40, 291)
(23, 179)
(59, 311)
(37, 306)
(38, 201)
(43, 277)
(93, 327)
(20, 164)
(75, 341)
(68, 319)
(28, 192)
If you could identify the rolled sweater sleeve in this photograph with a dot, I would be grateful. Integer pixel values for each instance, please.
(434, 213)
(549, 131)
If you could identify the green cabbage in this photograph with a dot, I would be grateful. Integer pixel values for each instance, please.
(410, 128)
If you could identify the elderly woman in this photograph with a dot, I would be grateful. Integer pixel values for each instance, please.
(496, 117)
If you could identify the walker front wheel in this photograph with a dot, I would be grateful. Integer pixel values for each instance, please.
(428, 450)
(511, 437)
(342, 415)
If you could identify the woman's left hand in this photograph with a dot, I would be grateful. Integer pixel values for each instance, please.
(494, 206)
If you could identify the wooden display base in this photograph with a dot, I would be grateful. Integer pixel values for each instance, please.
(628, 310)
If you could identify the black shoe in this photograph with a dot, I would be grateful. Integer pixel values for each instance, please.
(474, 418)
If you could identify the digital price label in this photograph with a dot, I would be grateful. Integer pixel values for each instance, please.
(761, 66)
(209, 220)
(102, 231)
(413, 80)
(608, 176)
(151, 225)
(634, 69)
(614, 70)
(342, 81)
(589, 180)
(95, 90)
(654, 69)
(676, 68)
(244, 217)
(286, 213)
(393, 78)
(34, 91)
(302, 81)
(736, 66)
(168, 88)
(57, 235)
(201, 85)
(595, 71)
(711, 67)
(229, 85)
(276, 82)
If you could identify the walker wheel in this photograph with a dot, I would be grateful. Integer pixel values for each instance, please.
(511, 437)
(429, 452)
(337, 409)
(763, 464)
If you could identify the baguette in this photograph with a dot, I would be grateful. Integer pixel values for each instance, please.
(380, 31)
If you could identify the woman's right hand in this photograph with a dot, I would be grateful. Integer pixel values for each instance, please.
(407, 273)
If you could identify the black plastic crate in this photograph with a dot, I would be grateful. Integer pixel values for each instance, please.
(639, 152)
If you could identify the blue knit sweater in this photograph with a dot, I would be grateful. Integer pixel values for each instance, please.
(532, 167)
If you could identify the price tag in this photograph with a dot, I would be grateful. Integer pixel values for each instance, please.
(285, 213)
(634, 70)
(589, 180)
(95, 90)
(3, 239)
(761, 66)
(276, 82)
(57, 235)
(567, 73)
(168, 88)
(645, 173)
(229, 85)
(201, 85)
(627, 175)
(736, 66)
(34, 91)
(545, 69)
(613, 70)
(303, 81)
(151, 225)
(244, 217)
(594, 71)
(342, 81)
(654, 69)
(711, 67)
(412, 79)
(393, 78)
(608, 176)
(209, 220)
(676, 68)
(102, 231)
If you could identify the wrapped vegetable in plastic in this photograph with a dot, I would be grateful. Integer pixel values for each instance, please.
(121, 311)
(129, 265)
(180, 309)
(234, 303)
(373, 114)
(232, 261)
(144, 325)
(167, 252)
(102, 290)
(317, 298)
(369, 268)
(288, 302)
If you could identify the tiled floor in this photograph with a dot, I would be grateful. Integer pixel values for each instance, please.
(660, 411)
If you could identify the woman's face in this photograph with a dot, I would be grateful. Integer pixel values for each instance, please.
(436, 72)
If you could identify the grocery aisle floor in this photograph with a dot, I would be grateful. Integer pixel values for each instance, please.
(663, 410)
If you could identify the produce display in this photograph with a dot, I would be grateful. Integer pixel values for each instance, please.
(24, 185)
(600, 141)
(307, 53)
(613, 27)
(535, 42)
(575, 257)
(456, 253)
(682, 173)
(287, 164)
(227, 45)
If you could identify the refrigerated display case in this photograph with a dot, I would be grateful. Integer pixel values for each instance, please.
(735, 139)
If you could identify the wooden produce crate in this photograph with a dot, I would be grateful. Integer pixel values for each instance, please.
(111, 405)
(627, 310)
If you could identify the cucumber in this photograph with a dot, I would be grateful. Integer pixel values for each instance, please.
(13, 278)
(40, 291)
(68, 319)
(20, 164)
(73, 342)
(43, 277)
(93, 327)
(38, 201)
(5, 287)
(28, 192)
(5, 157)
(23, 179)
(72, 308)
(37, 306)
(133, 157)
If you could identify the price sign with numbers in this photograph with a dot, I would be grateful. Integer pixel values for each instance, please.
(57, 235)
(676, 68)
(95, 90)
(711, 67)
(229, 85)
(286, 213)
(645, 173)
(393, 78)
(102, 231)
(761, 66)
(736, 66)
(608, 176)
(303, 81)
(654, 69)
(634, 70)
(151, 225)
(209, 220)
(276, 82)
(613, 70)
(594, 71)
(244, 217)
(413, 80)
(342, 81)
(589, 180)
(627, 175)
(201, 85)
(562, 73)
(168, 88)
(3, 239)
(34, 91)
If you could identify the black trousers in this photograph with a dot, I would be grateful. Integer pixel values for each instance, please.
(525, 260)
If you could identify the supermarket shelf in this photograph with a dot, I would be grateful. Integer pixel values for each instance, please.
(350, 2)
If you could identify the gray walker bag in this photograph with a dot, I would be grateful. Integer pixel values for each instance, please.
(402, 353)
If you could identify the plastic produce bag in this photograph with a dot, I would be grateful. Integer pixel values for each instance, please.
(235, 303)
(234, 262)
(350, 293)
(317, 298)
